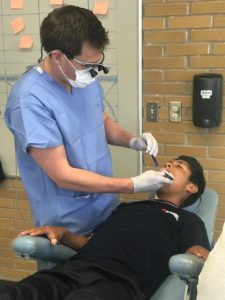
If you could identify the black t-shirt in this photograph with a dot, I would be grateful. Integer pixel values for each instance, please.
(138, 239)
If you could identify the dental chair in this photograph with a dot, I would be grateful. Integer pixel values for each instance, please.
(185, 268)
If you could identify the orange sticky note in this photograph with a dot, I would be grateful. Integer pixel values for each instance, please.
(16, 4)
(101, 7)
(26, 42)
(56, 2)
(17, 25)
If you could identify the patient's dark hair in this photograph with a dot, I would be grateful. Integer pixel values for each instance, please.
(67, 28)
(196, 177)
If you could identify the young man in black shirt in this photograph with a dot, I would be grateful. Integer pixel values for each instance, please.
(127, 256)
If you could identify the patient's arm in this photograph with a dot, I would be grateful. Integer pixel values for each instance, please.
(56, 234)
(198, 251)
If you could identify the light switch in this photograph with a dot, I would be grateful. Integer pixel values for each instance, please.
(152, 111)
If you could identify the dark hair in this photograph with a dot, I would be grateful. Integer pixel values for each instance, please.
(68, 27)
(196, 177)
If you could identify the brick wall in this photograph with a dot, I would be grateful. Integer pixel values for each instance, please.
(181, 39)
(14, 217)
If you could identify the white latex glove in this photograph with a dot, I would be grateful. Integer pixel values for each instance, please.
(145, 142)
(150, 181)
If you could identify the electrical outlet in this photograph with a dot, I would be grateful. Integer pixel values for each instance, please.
(152, 112)
(175, 111)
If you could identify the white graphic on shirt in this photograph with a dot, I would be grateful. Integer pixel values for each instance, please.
(176, 216)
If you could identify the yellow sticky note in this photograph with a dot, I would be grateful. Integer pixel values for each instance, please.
(26, 42)
(17, 25)
(56, 2)
(101, 7)
(16, 4)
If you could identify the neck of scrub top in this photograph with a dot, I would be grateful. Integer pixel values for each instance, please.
(50, 67)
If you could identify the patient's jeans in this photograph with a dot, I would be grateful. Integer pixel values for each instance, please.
(83, 283)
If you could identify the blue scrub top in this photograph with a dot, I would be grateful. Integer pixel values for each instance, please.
(42, 114)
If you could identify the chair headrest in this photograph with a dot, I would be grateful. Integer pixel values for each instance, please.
(195, 206)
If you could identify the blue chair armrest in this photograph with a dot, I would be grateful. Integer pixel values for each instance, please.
(40, 248)
(186, 266)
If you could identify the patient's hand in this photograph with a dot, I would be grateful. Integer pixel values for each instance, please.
(198, 251)
(56, 234)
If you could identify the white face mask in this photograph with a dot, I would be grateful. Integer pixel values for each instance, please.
(83, 77)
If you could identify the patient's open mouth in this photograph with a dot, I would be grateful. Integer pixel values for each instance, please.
(167, 175)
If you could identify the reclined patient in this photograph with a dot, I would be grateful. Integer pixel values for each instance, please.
(127, 256)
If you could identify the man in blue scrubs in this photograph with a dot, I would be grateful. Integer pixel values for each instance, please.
(55, 112)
